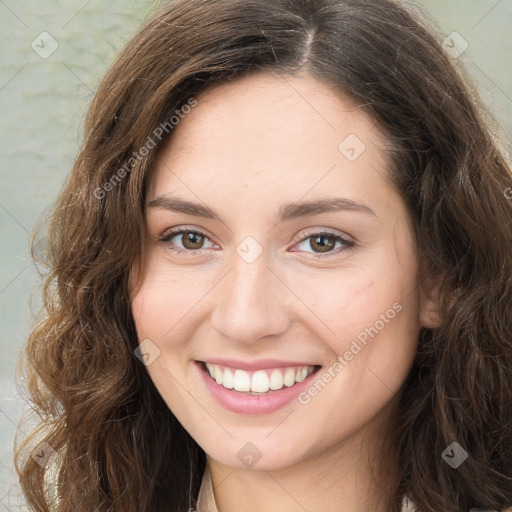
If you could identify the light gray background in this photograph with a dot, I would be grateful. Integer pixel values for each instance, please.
(42, 102)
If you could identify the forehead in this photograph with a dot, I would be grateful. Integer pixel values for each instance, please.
(265, 136)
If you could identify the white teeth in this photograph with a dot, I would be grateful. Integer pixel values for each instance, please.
(301, 375)
(305, 373)
(289, 377)
(276, 379)
(218, 374)
(260, 381)
(227, 380)
(210, 370)
(241, 381)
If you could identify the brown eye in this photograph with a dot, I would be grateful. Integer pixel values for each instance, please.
(318, 242)
(323, 244)
(190, 240)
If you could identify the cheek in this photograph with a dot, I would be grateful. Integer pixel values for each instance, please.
(370, 313)
(138, 310)
(147, 310)
(346, 301)
(156, 315)
(385, 340)
(165, 301)
(372, 321)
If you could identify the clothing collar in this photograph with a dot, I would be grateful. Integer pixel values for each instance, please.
(206, 498)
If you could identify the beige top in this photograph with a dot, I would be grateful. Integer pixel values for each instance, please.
(206, 498)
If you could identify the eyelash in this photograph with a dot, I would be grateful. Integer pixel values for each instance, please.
(171, 233)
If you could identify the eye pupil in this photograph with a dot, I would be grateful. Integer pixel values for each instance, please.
(193, 241)
(323, 247)
(189, 238)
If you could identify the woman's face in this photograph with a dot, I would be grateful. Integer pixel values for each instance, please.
(260, 294)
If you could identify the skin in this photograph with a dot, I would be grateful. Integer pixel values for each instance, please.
(244, 150)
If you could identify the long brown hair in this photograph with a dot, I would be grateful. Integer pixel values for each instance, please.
(114, 444)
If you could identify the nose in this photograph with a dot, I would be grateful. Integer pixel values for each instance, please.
(252, 302)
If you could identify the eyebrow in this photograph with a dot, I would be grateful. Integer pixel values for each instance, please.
(286, 212)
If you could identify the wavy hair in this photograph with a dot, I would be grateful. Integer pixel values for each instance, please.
(115, 445)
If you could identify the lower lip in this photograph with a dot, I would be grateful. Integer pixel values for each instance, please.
(243, 403)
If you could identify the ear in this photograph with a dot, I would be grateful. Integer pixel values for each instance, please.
(430, 303)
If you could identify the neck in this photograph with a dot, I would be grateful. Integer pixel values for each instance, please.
(350, 477)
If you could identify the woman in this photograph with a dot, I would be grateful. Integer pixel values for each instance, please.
(279, 275)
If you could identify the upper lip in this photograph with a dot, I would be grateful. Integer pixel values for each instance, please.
(260, 364)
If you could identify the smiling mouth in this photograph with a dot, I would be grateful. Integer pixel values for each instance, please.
(260, 382)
